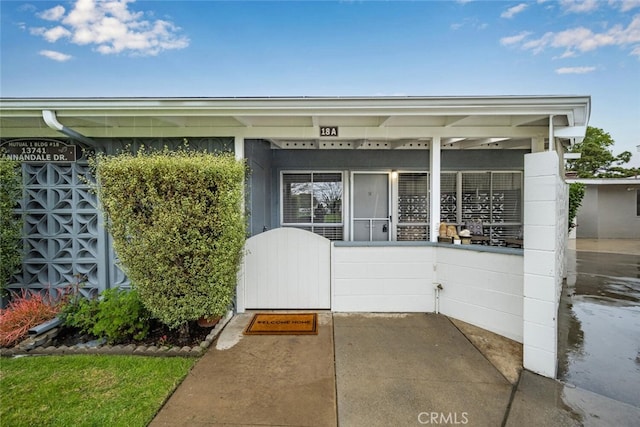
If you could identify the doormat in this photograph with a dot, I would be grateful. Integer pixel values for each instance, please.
(283, 324)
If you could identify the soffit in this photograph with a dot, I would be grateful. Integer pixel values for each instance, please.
(473, 121)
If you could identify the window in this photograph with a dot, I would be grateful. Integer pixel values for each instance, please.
(384, 209)
(313, 202)
(638, 202)
(495, 198)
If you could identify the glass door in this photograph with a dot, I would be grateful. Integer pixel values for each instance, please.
(370, 219)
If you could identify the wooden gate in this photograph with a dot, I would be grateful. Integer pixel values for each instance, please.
(285, 268)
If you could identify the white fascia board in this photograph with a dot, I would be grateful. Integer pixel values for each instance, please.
(570, 131)
(303, 106)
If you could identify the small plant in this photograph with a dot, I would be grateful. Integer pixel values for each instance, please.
(121, 316)
(116, 316)
(25, 311)
(79, 312)
(162, 341)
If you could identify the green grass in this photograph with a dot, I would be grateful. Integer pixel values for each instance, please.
(87, 390)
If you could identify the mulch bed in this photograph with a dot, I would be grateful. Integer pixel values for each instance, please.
(159, 335)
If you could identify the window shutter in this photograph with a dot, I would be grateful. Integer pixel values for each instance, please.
(413, 206)
(506, 197)
(476, 196)
(448, 197)
(506, 206)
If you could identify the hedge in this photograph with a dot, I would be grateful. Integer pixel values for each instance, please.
(178, 228)
(10, 223)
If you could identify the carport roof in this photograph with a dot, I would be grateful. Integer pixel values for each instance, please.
(461, 122)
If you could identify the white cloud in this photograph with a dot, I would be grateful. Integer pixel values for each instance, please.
(581, 39)
(538, 45)
(518, 38)
(111, 28)
(575, 70)
(53, 14)
(625, 5)
(472, 23)
(579, 6)
(54, 34)
(513, 11)
(56, 56)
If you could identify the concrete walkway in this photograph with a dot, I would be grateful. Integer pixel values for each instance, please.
(368, 370)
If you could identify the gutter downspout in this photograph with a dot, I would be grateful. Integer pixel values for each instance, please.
(52, 121)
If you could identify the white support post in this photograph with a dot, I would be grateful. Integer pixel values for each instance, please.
(552, 138)
(537, 145)
(434, 202)
(545, 236)
(238, 149)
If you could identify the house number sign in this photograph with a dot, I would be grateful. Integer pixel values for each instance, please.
(328, 130)
(38, 151)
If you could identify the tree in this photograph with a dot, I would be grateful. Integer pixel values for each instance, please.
(597, 160)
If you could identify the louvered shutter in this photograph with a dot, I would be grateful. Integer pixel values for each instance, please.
(448, 197)
(413, 206)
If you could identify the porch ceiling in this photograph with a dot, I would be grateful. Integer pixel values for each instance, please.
(367, 122)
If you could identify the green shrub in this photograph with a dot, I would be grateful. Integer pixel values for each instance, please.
(120, 316)
(117, 316)
(178, 228)
(10, 224)
(576, 194)
(79, 313)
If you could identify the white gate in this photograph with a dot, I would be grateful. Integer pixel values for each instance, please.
(285, 268)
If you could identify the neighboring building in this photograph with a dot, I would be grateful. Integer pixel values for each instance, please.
(345, 198)
(610, 209)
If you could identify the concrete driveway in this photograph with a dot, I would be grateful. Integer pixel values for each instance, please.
(360, 370)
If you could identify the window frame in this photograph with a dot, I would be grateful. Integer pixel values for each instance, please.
(312, 225)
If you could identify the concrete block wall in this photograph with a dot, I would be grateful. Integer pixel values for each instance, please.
(482, 288)
(545, 234)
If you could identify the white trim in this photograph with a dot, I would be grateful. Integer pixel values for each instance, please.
(305, 224)
(605, 181)
(435, 159)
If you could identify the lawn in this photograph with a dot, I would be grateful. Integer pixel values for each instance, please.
(87, 390)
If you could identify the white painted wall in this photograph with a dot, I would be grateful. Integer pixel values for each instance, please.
(382, 278)
(482, 288)
(609, 211)
(545, 237)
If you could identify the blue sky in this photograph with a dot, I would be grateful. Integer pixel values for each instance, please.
(91, 48)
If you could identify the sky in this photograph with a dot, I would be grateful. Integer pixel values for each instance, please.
(128, 48)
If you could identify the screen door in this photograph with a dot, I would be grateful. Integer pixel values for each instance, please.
(371, 207)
